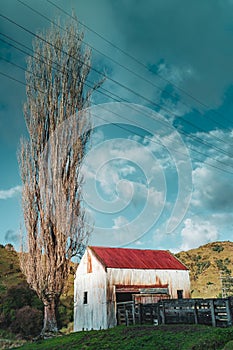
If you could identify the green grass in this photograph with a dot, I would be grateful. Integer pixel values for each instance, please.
(8, 340)
(168, 337)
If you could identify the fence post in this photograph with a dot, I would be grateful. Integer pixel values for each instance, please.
(195, 313)
(140, 313)
(162, 313)
(228, 311)
(212, 313)
(126, 317)
(133, 313)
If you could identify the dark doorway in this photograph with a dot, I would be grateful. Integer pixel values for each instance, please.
(122, 297)
(180, 294)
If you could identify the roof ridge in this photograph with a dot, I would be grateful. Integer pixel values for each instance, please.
(105, 247)
(131, 258)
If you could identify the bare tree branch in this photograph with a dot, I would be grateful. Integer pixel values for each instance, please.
(50, 161)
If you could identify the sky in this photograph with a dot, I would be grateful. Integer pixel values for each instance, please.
(159, 172)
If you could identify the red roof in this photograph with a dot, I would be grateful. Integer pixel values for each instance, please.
(126, 258)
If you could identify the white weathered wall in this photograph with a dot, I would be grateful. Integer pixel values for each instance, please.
(176, 280)
(92, 315)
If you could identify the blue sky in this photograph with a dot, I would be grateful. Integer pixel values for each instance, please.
(169, 161)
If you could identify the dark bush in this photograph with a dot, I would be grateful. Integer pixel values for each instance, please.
(27, 322)
(202, 266)
(16, 298)
(21, 295)
(227, 261)
(222, 267)
(218, 248)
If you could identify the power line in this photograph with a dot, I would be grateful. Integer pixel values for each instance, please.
(137, 134)
(191, 136)
(124, 67)
(196, 138)
(120, 84)
(116, 62)
(107, 95)
(25, 52)
(12, 78)
(142, 65)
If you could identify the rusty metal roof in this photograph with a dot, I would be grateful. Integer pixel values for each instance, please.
(127, 258)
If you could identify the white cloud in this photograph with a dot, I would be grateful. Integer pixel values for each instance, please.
(197, 232)
(97, 137)
(10, 193)
(213, 190)
(128, 177)
(138, 243)
(120, 221)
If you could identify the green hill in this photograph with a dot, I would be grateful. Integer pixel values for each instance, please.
(10, 274)
(21, 312)
(206, 264)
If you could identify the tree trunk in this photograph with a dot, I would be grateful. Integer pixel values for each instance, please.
(50, 319)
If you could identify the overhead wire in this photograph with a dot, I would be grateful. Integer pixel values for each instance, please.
(194, 137)
(105, 89)
(133, 58)
(118, 83)
(197, 139)
(126, 68)
(27, 53)
(135, 133)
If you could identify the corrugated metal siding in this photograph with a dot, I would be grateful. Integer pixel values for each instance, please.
(175, 279)
(136, 288)
(137, 258)
(149, 298)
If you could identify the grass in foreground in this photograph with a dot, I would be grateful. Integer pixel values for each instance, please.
(9, 340)
(167, 337)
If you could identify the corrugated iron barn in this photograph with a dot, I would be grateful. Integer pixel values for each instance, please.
(107, 276)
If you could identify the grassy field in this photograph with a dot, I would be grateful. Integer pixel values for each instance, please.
(167, 337)
(9, 340)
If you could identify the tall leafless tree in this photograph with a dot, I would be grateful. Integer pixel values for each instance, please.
(50, 161)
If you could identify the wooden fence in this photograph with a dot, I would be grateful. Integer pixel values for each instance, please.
(215, 312)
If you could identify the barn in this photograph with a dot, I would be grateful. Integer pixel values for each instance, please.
(107, 276)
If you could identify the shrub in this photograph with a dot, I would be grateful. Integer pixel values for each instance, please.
(202, 266)
(222, 267)
(218, 248)
(27, 322)
(16, 298)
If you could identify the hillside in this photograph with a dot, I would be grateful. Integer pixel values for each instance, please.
(206, 264)
(18, 303)
(10, 274)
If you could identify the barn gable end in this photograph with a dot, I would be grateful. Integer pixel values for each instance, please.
(89, 292)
